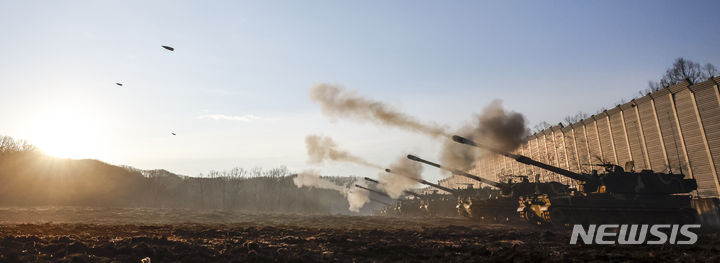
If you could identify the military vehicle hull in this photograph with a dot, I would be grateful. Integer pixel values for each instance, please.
(410, 208)
(498, 205)
(441, 207)
(614, 196)
(608, 208)
(708, 210)
(498, 210)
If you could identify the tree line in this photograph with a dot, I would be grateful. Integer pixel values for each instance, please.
(30, 178)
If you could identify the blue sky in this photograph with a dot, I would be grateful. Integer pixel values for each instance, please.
(256, 61)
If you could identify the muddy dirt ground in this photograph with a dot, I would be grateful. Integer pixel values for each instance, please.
(129, 235)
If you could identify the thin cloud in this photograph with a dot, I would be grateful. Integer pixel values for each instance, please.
(245, 118)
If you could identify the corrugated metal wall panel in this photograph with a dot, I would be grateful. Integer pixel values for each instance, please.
(671, 136)
(581, 147)
(696, 150)
(707, 98)
(533, 153)
(539, 155)
(486, 168)
(544, 156)
(512, 164)
(569, 142)
(489, 165)
(605, 141)
(560, 148)
(633, 136)
(591, 131)
(475, 171)
(495, 166)
(503, 166)
(572, 163)
(563, 150)
(501, 170)
(526, 169)
(618, 136)
(509, 166)
(652, 136)
(551, 154)
(506, 166)
(515, 165)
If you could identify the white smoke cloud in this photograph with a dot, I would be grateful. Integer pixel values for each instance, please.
(321, 148)
(400, 178)
(357, 198)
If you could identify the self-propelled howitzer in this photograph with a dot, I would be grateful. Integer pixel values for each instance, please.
(501, 208)
(379, 202)
(614, 180)
(615, 196)
(456, 172)
(371, 190)
(422, 181)
(405, 192)
(435, 204)
(508, 189)
(403, 207)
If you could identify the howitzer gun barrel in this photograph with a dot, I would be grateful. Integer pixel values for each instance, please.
(457, 172)
(384, 194)
(422, 181)
(412, 193)
(524, 159)
(405, 192)
(371, 190)
(371, 180)
(380, 202)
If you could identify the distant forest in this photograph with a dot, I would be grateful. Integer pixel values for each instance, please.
(30, 178)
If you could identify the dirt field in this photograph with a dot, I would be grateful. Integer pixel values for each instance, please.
(128, 235)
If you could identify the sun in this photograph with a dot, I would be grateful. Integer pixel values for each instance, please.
(65, 133)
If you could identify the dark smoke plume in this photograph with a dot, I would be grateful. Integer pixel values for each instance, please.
(336, 102)
(496, 127)
(322, 148)
(397, 181)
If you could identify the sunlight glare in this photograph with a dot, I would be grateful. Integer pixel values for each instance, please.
(66, 134)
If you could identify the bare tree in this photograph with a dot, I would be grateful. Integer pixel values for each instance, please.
(9, 145)
(710, 70)
(683, 69)
(541, 126)
(570, 119)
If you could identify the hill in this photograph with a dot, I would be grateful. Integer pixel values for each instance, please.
(30, 178)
